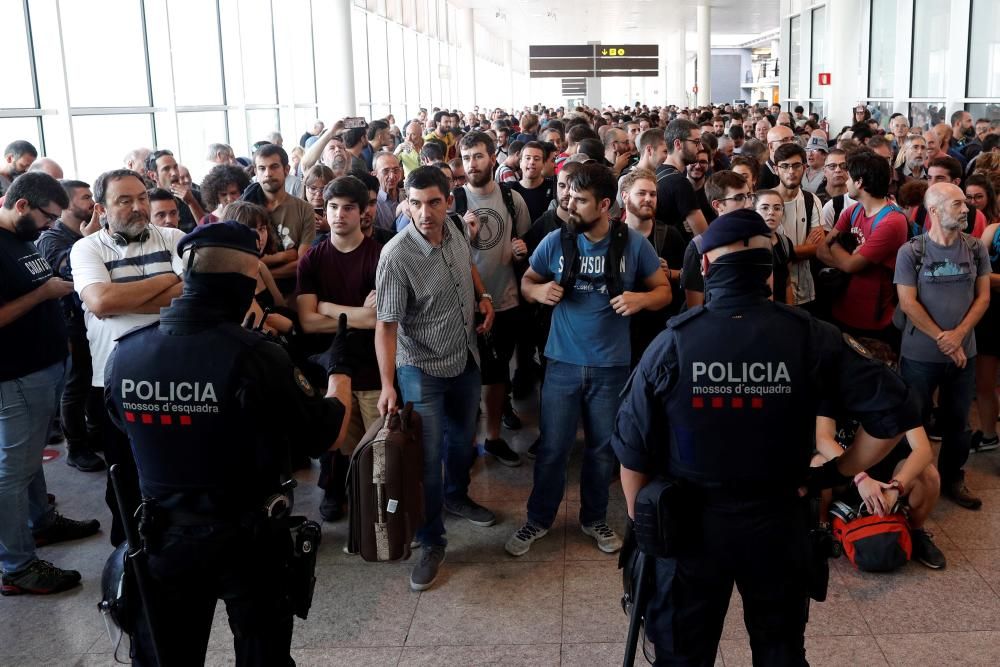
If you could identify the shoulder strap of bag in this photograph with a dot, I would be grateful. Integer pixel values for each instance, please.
(508, 201)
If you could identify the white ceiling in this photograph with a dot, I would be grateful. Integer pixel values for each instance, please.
(625, 21)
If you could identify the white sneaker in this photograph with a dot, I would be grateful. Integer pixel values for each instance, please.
(607, 540)
(520, 542)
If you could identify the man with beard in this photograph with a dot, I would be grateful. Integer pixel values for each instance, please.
(697, 173)
(124, 273)
(638, 190)
(17, 158)
(943, 281)
(676, 203)
(588, 350)
(162, 169)
(334, 278)
(32, 367)
(495, 230)
(536, 190)
(293, 218)
(79, 420)
(442, 132)
(390, 175)
(914, 148)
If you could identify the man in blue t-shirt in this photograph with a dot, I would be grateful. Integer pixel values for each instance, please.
(588, 353)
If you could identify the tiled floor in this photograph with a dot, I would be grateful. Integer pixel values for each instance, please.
(558, 605)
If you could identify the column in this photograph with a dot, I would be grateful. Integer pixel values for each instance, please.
(594, 89)
(844, 91)
(335, 86)
(704, 55)
(675, 57)
(467, 81)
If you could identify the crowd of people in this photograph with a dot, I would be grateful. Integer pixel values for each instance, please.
(444, 243)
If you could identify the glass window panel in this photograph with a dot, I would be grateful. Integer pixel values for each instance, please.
(423, 70)
(818, 48)
(158, 48)
(257, 51)
(194, 34)
(880, 112)
(421, 15)
(196, 131)
(18, 90)
(990, 111)
(409, 13)
(378, 64)
(984, 50)
(260, 123)
(294, 51)
(102, 141)
(930, 48)
(26, 129)
(794, 56)
(926, 114)
(229, 10)
(359, 37)
(397, 87)
(411, 76)
(433, 51)
(882, 51)
(101, 45)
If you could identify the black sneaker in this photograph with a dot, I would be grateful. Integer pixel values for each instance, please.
(331, 509)
(925, 551)
(502, 451)
(39, 578)
(961, 495)
(471, 511)
(425, 572)
(509, 418)
(532, 452)
(85, 461)
(982, 444)
(63, 530)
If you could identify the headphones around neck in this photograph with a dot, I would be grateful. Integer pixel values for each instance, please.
(123, 239)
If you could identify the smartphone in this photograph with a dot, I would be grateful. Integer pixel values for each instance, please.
(352, 122)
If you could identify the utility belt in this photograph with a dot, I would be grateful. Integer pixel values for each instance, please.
(272, 521)
(668, 520)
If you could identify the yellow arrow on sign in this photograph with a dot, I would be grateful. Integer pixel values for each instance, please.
(604, 52)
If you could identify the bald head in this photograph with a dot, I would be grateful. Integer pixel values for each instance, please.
(777, 136)
(945, 204)
(943, 132)
(48, 166)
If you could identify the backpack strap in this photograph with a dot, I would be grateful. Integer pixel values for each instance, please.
(458, 222)
(615, 258)
(855, 212)
(461, 201)
(838, 208)
(666, 171)
(571, 260)
(884, 211)
(659, 236)
(918, 221)
(508, 201)
(810, 204)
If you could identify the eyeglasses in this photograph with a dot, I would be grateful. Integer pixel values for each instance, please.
(836, 166)
(768, 208)
(784, 140)
(696, 142)
(50, 217)
(703, 163)
(741, 198)
(979, 196)
(790, 166)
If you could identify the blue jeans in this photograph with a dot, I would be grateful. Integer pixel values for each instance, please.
(27, 407)
(568, 392)
(447, 408)
(956, 390)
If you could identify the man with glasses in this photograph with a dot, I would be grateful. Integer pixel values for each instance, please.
(835, 170)
(389, 174)
(776, 137)
(727, 191)
(676, 203)
(802, 214)
(697, 174)
(32, 368)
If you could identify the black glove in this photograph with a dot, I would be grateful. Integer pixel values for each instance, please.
(826, 476)
(336, 360)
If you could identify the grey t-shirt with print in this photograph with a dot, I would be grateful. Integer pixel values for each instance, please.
(491, 249)
(946, 288)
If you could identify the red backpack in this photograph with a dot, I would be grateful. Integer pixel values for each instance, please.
(875, 543)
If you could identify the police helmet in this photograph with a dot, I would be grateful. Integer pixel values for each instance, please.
(117, 598)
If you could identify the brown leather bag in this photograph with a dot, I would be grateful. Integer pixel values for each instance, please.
(386, 488)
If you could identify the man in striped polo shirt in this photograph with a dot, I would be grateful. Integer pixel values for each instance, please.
(124, 273)
(427, 295)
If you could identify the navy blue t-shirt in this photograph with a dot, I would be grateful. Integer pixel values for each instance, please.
(586, 330)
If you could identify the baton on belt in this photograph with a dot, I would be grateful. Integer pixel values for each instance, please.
(137, 556)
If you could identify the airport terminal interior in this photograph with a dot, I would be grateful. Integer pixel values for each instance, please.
(194, 96)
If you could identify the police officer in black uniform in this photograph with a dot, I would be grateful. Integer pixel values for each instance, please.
(724, 403)
(215, 413)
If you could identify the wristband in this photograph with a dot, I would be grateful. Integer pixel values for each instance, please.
(896, 484)
(860, 477)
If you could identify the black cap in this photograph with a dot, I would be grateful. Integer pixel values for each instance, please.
(229, 234)
(739, 225)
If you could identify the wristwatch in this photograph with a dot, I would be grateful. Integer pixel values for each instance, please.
(485, 295)
(896, 484)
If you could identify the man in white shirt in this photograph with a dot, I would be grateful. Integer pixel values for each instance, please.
(124, 273)
(802, 219)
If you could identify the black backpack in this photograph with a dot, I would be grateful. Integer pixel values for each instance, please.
(612, 265)
(462, 204)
